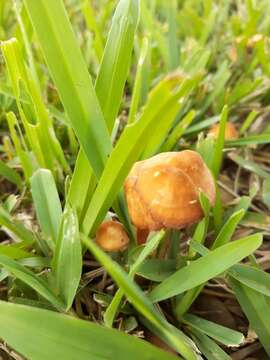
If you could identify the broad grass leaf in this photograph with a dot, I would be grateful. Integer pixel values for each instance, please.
(41, 334)
(67, 261)
(47, 204)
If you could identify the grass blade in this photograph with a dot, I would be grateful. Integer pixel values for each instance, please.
(174, 337)
(31, 280)
(67, 261)
(256, 308)
(217, 332)
(77, 93)
(63, 337)
(116, 59)
(205, 268)
(47, 204)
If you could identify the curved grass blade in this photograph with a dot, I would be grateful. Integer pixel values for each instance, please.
(256, 307)
(32, 280)
(208, 347)
(217, 332)
(206, 268)
(173, 336)
(228, 229)
(67, 261)
(149, 247)
(116, 59)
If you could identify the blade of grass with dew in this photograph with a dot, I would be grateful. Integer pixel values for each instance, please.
(149, 247)
(203, 269)
(32, 280)
(173, 336)
(62, 54)
(64, 337)
(162, 103)
(10, 174)
(47, 204)
(67, 260)
(217, 332)
(256, 308)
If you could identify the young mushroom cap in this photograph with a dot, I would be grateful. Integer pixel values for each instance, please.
(230, 131)
(163, 191)
(111, 236)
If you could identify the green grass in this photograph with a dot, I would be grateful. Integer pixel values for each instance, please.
(87, 88)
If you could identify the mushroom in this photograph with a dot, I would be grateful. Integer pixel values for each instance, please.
(163, 191)
(111, 236)
(230, 131)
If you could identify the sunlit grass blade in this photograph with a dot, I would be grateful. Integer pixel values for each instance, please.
(205, 268)
(77, 93)
(64, 337)
(116, 59)
(67, 261)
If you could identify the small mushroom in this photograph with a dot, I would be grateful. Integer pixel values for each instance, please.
(163, 191)
(111, 236)
(230, 131)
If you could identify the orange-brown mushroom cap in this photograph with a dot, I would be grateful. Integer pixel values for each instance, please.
(163, 191)
(111, 236)
(230, 131)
